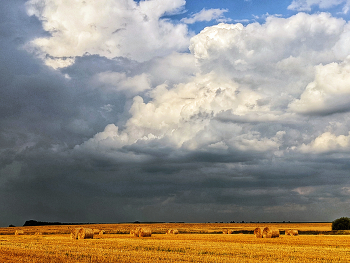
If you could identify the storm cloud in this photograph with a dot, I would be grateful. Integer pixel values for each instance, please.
(113, 112)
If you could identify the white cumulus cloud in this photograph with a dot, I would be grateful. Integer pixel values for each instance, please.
(242, 92)
(120, 82)
(205, 15)
(328, 142)
(328, 93)
(306, 5)
(183, 115)
(263, 45)
(109, 28)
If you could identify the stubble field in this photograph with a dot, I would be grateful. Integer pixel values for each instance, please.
(194, 243)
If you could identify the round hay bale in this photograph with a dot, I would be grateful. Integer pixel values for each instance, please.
(101, 232)
(271, 232)
(172, 231)
(292, 232)
(85, 233)
(258, 232)
(74, 233)
(229, 231)
(295, 232)
(145, 232)
(135, 232)
(96, 231)
(19, 232)
(225, 231)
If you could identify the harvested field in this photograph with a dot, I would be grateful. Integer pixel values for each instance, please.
(183, 228)
(116, 245)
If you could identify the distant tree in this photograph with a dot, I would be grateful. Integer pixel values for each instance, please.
(342, 223)
(40, 223)
(11, 225)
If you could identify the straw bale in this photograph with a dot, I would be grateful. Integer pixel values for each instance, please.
(172, 231)
(258, 232)
(96, 231)
(101, 232)
(145, 232)
(135, 232)
(85, 233)
(291, 232)
(74, 233)
(19, 232)
(229, 231)
(224, 231)
(295, 232)
(271, 232)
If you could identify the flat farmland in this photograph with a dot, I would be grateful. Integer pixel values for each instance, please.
(194, 243)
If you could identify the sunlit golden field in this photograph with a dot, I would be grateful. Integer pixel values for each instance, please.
(194, 243)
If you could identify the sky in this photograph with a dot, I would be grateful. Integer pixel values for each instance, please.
(174, 111)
